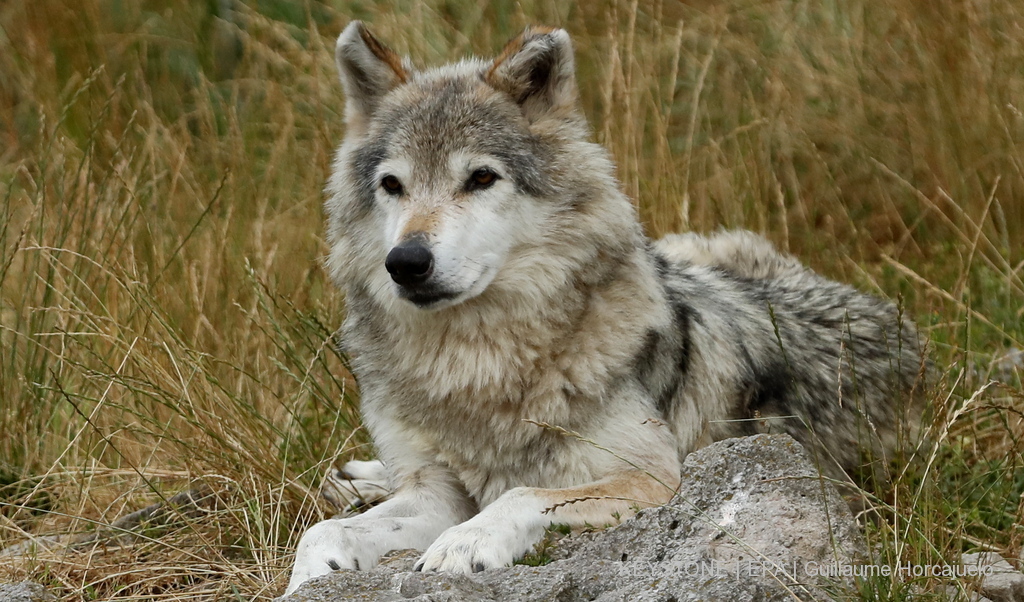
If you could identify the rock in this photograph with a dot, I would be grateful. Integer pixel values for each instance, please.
(1006, 365)
(34, 546)
(26, 591)
(1012, 359)
(1001, 582)
(752, 521)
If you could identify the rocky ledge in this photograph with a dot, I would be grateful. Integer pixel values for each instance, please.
(752, 521)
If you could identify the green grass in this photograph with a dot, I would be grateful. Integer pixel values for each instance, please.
(165, 320)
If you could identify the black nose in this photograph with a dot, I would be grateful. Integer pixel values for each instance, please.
(410, 263)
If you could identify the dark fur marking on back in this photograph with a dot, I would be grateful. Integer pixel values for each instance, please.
(683, 313)
(664, 401)
(675, 347)
(768, 386)
(659, 380)
(645, 367)
(644, 361)
(660, 264)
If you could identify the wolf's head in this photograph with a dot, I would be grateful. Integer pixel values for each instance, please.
(452, 181)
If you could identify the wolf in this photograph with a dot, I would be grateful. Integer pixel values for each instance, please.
(525, 354)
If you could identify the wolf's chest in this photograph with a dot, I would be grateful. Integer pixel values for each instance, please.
(496, 451)
(502, 424)
(490, 419)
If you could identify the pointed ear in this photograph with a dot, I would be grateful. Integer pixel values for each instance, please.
(368, 70)
(538, 71)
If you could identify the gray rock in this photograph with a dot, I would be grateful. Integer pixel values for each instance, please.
(33, 546)
(1006, 365)
(1012, 359)
(1001, 582)
(26, 591)
(752, 521)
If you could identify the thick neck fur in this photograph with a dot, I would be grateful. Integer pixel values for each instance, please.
(521, 323)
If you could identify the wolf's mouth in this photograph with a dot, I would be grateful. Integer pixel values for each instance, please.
(439, 293)
(426, 298)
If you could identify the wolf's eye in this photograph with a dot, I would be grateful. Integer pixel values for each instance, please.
(391, 185)
(481, 178)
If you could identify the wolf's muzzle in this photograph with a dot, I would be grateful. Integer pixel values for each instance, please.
(410, 263)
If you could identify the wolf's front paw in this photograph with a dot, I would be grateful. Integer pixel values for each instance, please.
(328, 546)
(478, 544)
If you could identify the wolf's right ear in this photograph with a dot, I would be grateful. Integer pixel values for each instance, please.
(368, 70)
(538, 71)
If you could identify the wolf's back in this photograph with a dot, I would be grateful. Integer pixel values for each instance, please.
(770, 345)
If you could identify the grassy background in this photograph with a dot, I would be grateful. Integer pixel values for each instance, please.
(165, 322)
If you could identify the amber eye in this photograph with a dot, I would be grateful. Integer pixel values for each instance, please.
(481, 178)
(391, 185)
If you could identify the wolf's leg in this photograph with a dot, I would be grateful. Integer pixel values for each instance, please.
(509, 527)
(428, 502)
(357, 484)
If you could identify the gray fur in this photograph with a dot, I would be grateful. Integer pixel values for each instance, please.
(571, 363)
(834, 367)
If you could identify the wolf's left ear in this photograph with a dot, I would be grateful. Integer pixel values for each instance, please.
(368, 70)
(538, 71)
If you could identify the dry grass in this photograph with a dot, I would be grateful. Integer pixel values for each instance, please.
(165, 323)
